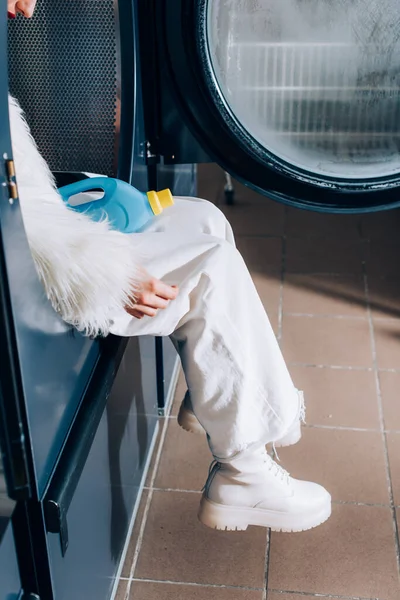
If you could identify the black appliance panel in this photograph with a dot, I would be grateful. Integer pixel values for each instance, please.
(99, 508)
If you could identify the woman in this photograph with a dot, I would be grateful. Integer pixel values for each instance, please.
(239, 389)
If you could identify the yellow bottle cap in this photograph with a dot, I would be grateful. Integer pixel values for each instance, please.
(160, 200)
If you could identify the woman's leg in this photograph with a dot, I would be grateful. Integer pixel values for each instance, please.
(194, 216)
(232, 362)
(240, 388)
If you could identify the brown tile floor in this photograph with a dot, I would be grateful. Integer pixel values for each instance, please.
(331, 285)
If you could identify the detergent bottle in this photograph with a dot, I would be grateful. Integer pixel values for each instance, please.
(127, 209)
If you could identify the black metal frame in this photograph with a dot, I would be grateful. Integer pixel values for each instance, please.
(128, 90)
(14, 437)
(27, 519)
(183, 42)
(153, 185)
(31, 545)
(166, 131)
(80, 439)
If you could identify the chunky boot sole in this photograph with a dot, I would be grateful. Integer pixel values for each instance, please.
(232, 518)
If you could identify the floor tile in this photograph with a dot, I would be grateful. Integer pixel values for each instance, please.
(390, 390)
(384, 296)
(382, 225)
(398, 520)
(184, 461)
(155, 452)
(338, 397)
(177, 547)
(387, 340)
(121, 591)
(302, 223)
(262, 255)
(210, 182)
(179, 395)
(327, 341)
(353, 554)
(324, 294)
(283, 596)
(170, 591)
(126, 569)
(252, 217)
(269, 289)
(383, 258)
(350, 464)
(393, 442)
(245, 195)
(324, 255)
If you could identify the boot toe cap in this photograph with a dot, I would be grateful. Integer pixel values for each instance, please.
(309, 494)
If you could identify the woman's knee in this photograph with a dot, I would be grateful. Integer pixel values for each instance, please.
(211, 219)
(227, 260)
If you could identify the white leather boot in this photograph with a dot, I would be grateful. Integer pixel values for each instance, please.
(188, 421)
(254, 490)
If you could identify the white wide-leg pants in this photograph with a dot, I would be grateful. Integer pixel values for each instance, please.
(240, 389)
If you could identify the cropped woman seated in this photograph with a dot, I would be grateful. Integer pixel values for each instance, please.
(182, 277)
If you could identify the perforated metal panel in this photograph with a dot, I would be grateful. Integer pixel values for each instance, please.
(64, 69)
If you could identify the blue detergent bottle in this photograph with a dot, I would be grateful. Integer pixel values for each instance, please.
(127, 209)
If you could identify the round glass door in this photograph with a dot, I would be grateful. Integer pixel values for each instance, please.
(314, 82)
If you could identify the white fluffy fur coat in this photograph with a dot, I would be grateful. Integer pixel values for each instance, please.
(88, 270)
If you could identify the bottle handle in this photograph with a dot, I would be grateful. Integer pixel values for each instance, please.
(107, 184)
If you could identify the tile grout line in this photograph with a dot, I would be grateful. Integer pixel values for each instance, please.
(345, 428)
(266, 571)
(139, 542)
(336, 502)
(382, 423)
(325, 316)
(323, 366)
(176, 490)
(342, 367)
(249, 588)
(316, 595)
(339, 316)
(355, 503)
(340, 428)
(330, 427)
(200, 585)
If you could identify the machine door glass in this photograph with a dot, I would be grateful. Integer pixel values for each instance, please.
(316, 82)
(305, 95)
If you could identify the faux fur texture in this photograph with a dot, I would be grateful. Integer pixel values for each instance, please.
(88, 270)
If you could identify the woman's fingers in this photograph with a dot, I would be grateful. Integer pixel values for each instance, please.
(154, 295)
(168, 292)
(140, 311)
(153, 301)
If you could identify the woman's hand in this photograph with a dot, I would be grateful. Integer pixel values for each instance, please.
(152, 296)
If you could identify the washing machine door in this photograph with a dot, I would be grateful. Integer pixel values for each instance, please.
(300, 99)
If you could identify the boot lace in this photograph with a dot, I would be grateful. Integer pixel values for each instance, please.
(276, 469)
